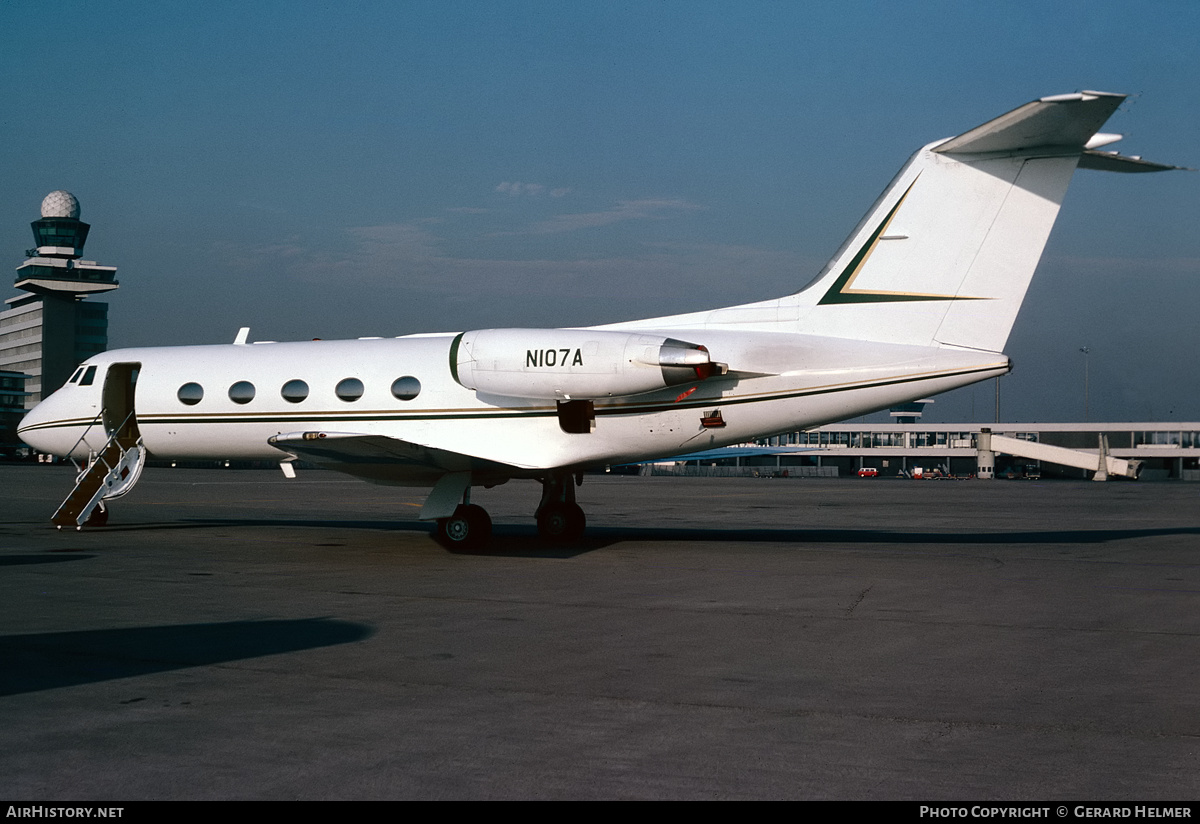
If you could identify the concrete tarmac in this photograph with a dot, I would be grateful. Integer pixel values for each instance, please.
(236, 635)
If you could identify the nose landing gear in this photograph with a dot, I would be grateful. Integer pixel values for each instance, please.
(469, 528)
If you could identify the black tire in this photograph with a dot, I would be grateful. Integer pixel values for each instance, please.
(469, 528)
(561, 523)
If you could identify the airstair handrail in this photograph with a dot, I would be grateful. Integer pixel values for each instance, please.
(86, 430)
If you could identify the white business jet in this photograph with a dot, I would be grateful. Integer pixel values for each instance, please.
(919, 300)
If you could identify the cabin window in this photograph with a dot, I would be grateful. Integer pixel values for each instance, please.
(190, 393)
(294, 391)
(75, 377)
(241, 392)
(349, 389)
(406, 388)
(88, 376)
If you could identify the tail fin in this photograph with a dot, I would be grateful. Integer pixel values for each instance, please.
(947, 252)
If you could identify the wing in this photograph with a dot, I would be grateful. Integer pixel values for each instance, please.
(384, 460)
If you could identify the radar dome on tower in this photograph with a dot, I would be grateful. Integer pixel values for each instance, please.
(61, 203)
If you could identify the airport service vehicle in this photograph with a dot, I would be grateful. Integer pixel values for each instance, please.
(920, 299)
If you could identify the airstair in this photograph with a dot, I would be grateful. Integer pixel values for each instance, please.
(108, 473)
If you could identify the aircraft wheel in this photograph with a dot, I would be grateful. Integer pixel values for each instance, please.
(468, 528)
(99, 517)
(561, 523)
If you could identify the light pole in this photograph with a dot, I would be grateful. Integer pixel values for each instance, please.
(1086, 411)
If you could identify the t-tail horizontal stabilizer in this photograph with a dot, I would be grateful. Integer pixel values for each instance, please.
(1045, 124)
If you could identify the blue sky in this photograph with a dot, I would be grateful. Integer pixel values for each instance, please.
(337, 170)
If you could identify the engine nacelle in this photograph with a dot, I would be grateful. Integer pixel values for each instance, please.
(574, 364)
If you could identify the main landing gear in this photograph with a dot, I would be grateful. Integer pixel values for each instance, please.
(559, 519)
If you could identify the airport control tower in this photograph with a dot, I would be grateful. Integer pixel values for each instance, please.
(48, 331)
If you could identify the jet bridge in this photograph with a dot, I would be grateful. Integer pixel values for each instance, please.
(1099, 461)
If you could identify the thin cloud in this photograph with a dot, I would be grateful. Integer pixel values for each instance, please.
(646, 209)
(519, 189)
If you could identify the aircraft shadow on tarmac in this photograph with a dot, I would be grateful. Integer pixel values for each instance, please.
(522, 540)
(20, 560)
(63, 659)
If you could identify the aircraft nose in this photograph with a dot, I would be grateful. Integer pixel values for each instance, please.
(29, 431)
(38, 429)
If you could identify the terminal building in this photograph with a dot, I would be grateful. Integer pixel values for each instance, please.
(1167, 451)
(46, 332)
(911, 448)
(1162, 451)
